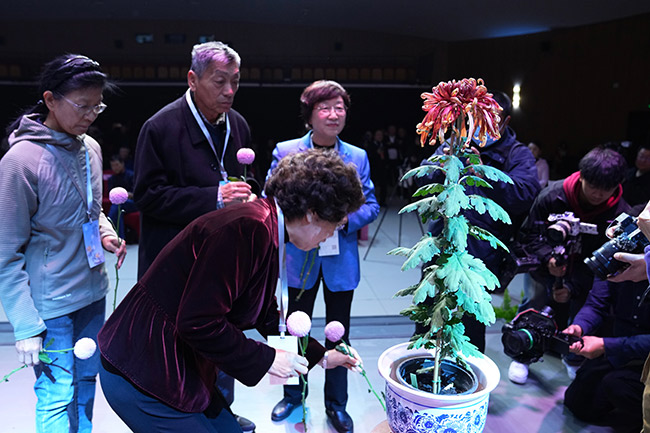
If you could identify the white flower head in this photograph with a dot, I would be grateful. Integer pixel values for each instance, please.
(84, 348)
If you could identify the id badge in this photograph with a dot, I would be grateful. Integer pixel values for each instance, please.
(289, 344)
(94, 250)
(330, 246)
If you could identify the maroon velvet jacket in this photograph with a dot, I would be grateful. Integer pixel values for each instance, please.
(184, 319)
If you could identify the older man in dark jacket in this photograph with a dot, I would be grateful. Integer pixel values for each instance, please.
(185, 154)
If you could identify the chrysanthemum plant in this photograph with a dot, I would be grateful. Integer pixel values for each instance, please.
(457, 282)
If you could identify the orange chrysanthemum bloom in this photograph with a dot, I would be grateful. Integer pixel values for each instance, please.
(467, 97)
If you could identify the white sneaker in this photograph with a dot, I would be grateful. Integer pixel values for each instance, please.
(571, 369)
(518, 372)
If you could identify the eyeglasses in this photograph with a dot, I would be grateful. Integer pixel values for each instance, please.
(325, 110)
(87, 109)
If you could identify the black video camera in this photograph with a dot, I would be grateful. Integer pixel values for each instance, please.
(561, 231)
(564, 235)
(531, 333)
(628, 238)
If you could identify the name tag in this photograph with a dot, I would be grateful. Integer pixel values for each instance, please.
(289, 344)
(93, 243)
(330, 246)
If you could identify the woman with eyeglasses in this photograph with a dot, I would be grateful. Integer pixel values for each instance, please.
(324, 107)
(53, 282)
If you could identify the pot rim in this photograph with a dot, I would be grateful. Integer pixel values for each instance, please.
(486, 371)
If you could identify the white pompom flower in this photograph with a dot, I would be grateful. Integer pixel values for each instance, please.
(299, 324)
(84, 348)
(118, 195)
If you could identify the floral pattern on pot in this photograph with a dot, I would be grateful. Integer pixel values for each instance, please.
(403, 419)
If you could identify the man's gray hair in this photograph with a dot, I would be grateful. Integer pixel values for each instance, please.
(203, 54)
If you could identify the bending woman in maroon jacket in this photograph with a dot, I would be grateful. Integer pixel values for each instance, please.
(184, 320)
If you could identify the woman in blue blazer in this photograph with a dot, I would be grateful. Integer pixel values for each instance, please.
(324, 106)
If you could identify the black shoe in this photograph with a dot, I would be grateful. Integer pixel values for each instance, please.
(340, 420)
(283, 409)
(245, 424)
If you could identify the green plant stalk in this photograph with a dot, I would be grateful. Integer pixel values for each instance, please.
(436, 364)
(119, 244)
(302, 345)
(346, 350)
(6, 377)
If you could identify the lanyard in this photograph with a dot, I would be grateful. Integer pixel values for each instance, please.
(199, 120)
(89, 187)
(282, 288)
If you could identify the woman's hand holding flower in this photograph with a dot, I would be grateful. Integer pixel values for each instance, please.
(31, 352)
(287, 364)
(115, 245)
(352, 362)
(28, 350)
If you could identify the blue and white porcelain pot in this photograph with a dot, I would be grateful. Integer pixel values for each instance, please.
(413, 411)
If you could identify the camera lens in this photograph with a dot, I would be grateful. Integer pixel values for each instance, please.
(557, 232)
(517, 342)
(602, 262)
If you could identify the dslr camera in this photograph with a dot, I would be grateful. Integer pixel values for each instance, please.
(628, 238)
(532, 333)
(563, 234)
(561, 231)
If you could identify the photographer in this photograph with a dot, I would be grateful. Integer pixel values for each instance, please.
(611, 381)
(607, 388)
(644, 225)
(594, 195)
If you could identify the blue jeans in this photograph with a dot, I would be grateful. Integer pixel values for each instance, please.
(66, 388)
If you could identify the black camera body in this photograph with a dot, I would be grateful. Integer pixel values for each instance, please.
(628, 238)
(532, 333)
(564, 235)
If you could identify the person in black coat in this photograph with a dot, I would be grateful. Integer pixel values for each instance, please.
(185, 154)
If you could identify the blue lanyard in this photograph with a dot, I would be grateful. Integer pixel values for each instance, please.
(197, 116)
(282, 275)
(89, 187)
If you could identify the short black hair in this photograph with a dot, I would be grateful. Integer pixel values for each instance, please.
(603, 168)
(504, 101)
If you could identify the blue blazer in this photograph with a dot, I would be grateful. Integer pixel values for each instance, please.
(340, 272)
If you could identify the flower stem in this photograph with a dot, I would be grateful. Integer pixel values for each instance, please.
(119, 244)
(302, 345)
(346, 350)
(6, 378)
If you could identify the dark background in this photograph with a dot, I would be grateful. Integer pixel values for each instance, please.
(583, 68)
